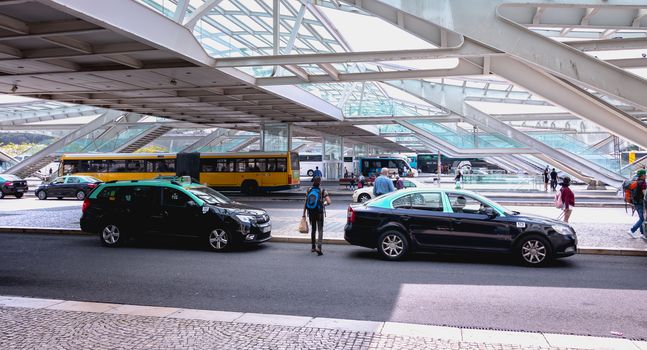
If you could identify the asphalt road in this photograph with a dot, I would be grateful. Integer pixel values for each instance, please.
(583, 295)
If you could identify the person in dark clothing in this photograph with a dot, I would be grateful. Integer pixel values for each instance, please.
(316, 200)
(553, 180)
(568, 198)
(638, 203)
(546, 179)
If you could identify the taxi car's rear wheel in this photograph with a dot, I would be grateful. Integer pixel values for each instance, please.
(363, 197)
(80, 195)
(534, 250)
(219, 240)
(42, 195)
(112, 235)
(393, 245)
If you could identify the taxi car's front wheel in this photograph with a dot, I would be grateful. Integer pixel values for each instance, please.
(219, 240)
(534, 250)
(393, 245)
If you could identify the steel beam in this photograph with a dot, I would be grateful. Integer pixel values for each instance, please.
(483, 21)
(572, 98)
(199, 12)
(205, 140)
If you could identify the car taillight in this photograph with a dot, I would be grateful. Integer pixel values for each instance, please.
(86, 205)
(8, 184)
(92, 185)
(289, 179)
(350, 215)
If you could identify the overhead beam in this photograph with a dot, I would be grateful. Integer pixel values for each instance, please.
(70, 43)
(485, 22)
(13, 24)
(330, 70)
(609, 44)
(199, 12)
(468, 49)
(125, 60)
(461, 70)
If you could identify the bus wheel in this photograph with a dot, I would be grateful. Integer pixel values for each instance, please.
(249, 187)
(310, 172)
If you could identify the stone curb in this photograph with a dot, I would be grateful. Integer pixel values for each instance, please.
(447, 333)
(306, 240)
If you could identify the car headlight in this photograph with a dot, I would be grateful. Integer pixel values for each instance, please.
(562, 229)
(245, 218)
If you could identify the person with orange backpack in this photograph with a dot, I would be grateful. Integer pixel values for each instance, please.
(637, 196)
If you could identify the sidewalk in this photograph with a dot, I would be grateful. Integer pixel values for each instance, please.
(30, 323)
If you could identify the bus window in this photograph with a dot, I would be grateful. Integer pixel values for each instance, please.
(117, 166)
(260, 164)
(98, 166)
(294, 161)
(281, 164)
(71, 167)
(241, 165)
(135, 166)
(270, 164)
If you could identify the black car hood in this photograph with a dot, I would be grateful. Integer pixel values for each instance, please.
(536, 219)
(240, 208)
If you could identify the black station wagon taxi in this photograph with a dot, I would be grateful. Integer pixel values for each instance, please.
(438, 220)
(123, 209)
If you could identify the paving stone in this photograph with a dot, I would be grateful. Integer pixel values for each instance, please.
(26, 328)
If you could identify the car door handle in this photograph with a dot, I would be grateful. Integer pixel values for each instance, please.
(405, 217)
(457, 222)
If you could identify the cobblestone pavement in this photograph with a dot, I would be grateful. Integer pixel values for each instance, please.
(24, 328)
(596, 227)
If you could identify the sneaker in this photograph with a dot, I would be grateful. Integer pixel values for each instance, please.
(632, 234)
(644, 238)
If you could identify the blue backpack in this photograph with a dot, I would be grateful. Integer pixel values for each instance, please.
(314, 200)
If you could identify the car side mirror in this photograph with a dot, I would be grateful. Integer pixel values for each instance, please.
(490, 212)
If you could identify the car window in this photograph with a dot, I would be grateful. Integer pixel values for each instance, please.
(114, 194)
(209, 195)
(462, 203)
(89, 179)
(73, 180)
(145, 195)
(58, 180)
(174, 197)
(402, 202)
(427, 201)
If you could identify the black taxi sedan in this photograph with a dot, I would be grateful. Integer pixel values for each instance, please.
(438, 220)
(119, 210)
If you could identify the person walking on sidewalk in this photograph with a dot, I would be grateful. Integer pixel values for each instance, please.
(316, 200)
(568, 199)
(316, 173)
(546, 179)
(458, 180)
(383, 184)
(637, 199)
(553, 180)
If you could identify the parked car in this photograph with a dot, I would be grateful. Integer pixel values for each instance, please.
(122, 209)
(68, 186)
(364, 194)
(12, 185)
(436, 220)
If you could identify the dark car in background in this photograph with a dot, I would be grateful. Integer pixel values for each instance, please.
(436, 220)
(68, 186)
(12, 185)
(123, 209)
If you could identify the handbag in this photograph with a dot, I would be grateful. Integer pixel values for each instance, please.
(303, 225)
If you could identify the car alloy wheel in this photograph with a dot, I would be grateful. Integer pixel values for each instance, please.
(533, 251)
(218, 239)
(1, 194)
(110, 235)
(393, 245)
(363, 198)
(80, 195)
(42, 195)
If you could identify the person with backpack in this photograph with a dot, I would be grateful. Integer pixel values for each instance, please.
(316, 201)
(567, 197)
(553, 180)
(637, 191)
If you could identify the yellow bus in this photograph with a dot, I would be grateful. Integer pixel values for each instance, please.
(247, 172)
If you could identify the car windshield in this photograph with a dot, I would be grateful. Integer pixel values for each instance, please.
(496, 206)
(209, 195)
